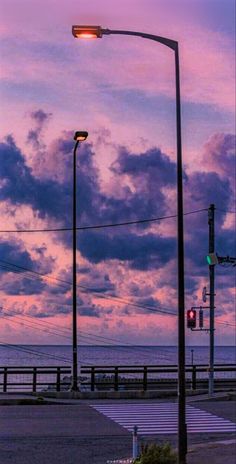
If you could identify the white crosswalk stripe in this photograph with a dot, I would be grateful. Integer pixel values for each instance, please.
(162, 418)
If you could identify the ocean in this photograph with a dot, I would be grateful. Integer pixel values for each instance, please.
(51, 355)
(61, 355)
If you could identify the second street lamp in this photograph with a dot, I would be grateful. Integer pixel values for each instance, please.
(79, 31)
(79, 137)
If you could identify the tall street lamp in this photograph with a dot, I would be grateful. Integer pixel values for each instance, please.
(79, 136)
(90, 32)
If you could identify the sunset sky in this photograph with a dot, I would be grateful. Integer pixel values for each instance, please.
(122, 91)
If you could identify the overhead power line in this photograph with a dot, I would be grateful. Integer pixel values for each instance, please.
(105, 342)
(10, 267)
(87, 337)
(34, 352)
(100, 226)
(97, 293)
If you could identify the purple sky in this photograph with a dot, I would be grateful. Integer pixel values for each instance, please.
(120, 89)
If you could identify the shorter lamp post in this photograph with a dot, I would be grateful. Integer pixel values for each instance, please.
(79, 136)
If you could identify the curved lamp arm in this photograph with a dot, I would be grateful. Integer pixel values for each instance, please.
(164, 40)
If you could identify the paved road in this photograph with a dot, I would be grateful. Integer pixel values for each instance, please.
(78, 434)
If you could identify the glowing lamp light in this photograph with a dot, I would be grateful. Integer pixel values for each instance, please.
(87, 32)
(191, 318)
(86, 35)
(80, 136)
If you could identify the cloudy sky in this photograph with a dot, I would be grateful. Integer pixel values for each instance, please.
(120, 89)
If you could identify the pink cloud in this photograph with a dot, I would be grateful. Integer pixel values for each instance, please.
(219, 154)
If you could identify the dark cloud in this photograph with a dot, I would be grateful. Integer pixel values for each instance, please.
(57, 288)
(141, 179)
(140, 291)
(20, 186)
(142, 252)
(226, 243)
(23, 286)
(90, 311)
(52, 199)
(11, 252)
(200, 190)
(100, 287)
(15, 282)
(153, 166)
(203, 188)
(39, 117)
(149, 301)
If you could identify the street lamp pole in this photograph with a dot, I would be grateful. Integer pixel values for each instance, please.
(91, 32)
(79, 136)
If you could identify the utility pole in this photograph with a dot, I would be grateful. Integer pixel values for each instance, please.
(211, 223)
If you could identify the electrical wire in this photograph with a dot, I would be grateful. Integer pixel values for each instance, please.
(105, 340)
(56, 357)
(16, 268)
(89, 335)
(101, 226)
(97, 293)
(122, 300)
(34, 352)
(63, 331)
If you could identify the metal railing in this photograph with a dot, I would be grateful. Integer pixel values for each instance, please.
(92, 378)
(33, 378)
(156, 377)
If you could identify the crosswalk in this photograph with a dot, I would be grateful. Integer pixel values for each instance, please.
(162, 418)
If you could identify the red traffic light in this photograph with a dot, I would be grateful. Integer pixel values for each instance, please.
(191, 318)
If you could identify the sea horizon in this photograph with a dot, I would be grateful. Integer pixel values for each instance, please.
(25, 354)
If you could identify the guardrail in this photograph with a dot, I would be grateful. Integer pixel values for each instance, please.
(149, 377)
(153, 376)
(32, 378)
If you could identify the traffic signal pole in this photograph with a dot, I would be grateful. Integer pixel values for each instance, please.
(211, 223)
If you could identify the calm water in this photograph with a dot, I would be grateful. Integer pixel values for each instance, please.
(48, 355)
(25, 355)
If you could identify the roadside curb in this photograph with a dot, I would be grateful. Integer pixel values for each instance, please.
(212, 444)
(59, 397)
(220, 396)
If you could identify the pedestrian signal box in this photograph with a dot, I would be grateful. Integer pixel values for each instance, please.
(201, 318)
(191, 318)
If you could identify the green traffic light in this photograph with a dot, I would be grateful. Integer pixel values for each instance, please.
(212, 259)
(209, 260)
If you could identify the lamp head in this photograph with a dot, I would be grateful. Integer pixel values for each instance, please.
(87, 32)
(80, 136)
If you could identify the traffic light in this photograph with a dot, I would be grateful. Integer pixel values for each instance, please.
(200, 318)
(191, 318)
(212, 259)
(204, 294)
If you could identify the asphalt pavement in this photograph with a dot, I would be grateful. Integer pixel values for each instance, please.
(78, 434)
